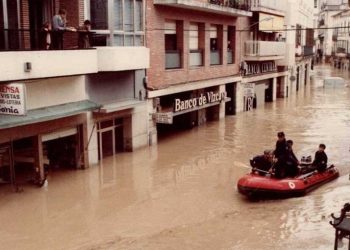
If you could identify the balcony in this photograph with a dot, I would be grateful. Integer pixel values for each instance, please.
(268, 6)
(215, 57)
(196, 58)
(222, 7)
(264, 50)
(22, 57)
(172, 59)
(122, 58)
(341, 52)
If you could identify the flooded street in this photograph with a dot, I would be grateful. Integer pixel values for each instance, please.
(181, 194)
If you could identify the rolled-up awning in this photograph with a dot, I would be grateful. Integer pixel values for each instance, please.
(270, 23)
(47, 113)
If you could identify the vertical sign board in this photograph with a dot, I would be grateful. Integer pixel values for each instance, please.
(13, 99)
(249, 94)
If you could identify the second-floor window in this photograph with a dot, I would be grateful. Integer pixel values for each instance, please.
(173, 50)
(118, 22)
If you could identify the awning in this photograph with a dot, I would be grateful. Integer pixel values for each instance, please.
(270, 23)
(118, 106)
(47, 114)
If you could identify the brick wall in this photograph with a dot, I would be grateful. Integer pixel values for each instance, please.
(157, 75)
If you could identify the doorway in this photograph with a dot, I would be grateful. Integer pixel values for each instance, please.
(298, 78)
(230, 108)
(7, 172)
(110, 136)
(40, 11)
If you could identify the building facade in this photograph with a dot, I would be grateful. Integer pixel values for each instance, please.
(70, 107)
(194, 75)
(263, 50)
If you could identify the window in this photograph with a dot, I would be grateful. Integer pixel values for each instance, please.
(231, 43)
(172, 50)
(125, 27)
(99, 15)
(170, 35)
(213, 37)
(194, 36)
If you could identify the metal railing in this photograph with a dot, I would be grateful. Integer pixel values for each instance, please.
(196, 58)
(270, 4)
(26, 39)
(235, 4)
(230, 57)
(215, 57)
(172, 59)
(265, 48)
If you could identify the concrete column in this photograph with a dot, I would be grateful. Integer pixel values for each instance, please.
(222, 109)
(38, 159)
(274, 89)
(92, 136)
(139, 126)
(239, 97)
(151, 125)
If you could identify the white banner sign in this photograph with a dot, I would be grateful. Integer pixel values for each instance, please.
(249, 89)
(12, 99)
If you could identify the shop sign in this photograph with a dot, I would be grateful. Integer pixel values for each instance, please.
(203, 99)
(13, 99)
(165, 118)
(259, 68)
(249, 89)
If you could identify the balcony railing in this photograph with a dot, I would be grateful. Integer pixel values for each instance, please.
(196, 58)
(26, 39)
(264, 48)
(341, 50)
(230, 59)
(270, 4)
(215, 57)
(172, 59)
(235, 4)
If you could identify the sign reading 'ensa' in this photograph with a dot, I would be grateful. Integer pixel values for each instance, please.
(12, 99)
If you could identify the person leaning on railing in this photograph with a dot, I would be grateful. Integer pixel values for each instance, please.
(84, 35)
(59, 26)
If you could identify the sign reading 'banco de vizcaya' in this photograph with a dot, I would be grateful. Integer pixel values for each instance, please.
(203, 99)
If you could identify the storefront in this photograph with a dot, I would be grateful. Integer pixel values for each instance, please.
(193, 108)
(34, 141)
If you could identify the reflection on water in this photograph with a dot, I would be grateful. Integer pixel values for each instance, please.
(181, 193)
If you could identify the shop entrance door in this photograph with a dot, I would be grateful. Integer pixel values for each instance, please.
(7, 170)
(231, 93)
(110, 137)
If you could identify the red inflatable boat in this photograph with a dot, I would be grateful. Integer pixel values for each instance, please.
(254, 185)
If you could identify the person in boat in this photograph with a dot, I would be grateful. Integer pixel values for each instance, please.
(281, 145)
(291, 161)
(280, 154)
(262, 162)
(320, 161)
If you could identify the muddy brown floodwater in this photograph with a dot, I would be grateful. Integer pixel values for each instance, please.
(181, 194)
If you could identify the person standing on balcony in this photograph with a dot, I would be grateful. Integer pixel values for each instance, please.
(84, 35)
(59, 26)
(45, 36)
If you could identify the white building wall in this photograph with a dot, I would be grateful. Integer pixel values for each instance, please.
(55, 91)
